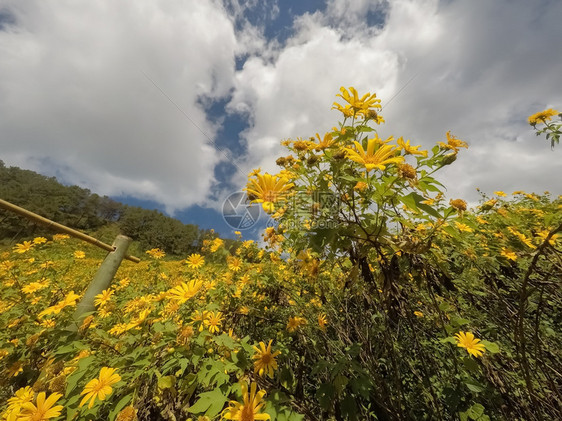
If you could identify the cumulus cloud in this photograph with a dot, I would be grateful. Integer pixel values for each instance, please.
(77, 97)
(478, 68)
(292, 95)
(77, 100)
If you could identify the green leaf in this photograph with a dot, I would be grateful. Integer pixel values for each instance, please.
(459, 321)
(210, 403)
(362, 386)
(410, 202)
(225, 340)
(166, 382)
(414, 202)
(470, 364)
(475, 411)
(491, 347)
(349, 407)
(80, 372)
(453, 232)
(325, 395)
(120, 405)
(474, 386)
(340, 382)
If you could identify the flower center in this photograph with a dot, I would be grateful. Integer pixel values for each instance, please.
(247, 413)
(371, 159)
(269, 196)
(266, 358)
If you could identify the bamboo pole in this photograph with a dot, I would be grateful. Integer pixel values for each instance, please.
(102, 279)
(61, 228)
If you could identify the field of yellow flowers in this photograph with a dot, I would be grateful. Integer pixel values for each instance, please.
(373, 298)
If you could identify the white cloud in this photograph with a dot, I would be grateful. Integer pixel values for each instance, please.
(75, 95)
(74, 99)
(293, 95)
(478, 68)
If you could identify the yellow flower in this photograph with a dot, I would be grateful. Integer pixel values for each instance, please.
(43, 408)
(409, 149)
(268, 189)
(463, 227)
(250, 409)
(137, 320)
(378, 154)
(358, 105)
(213, 321)
(48, 323)
(503, 212)
(24, 247)
(60, 237)
(15, 404)
(234, 263)
(265, 360)
(295, 322)
(544, 233)
(87, 324)
(303, 145)
(489, 204)
(185, 291)
(418, 314)
(123, 283)
(453, 143)
(118, 329)
(129, 413)
(458, 204)
(100, 388)
(521, 237)
(156, 253)
(470, 343)
(16, 368)
(499, 193)
(69, 300)
(322, 321)
(216, 244)
(323, 143)
(346, 110)
(542, 116)
(407, 172)
(39, 240)
(195, 261)
(103, 298)
(35, 286)
(508, 254)
(184, 335)
(47, 264)
(79, 254)
(361, 186)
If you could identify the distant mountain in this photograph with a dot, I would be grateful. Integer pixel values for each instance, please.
(80, 209)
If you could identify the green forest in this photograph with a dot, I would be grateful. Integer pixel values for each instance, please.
(80, 209)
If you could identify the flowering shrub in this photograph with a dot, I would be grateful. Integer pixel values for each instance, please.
(374, 298)
(552, 129)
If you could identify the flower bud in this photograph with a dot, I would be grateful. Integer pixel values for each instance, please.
(449, 159)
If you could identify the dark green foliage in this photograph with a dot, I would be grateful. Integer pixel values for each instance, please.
(80, 209)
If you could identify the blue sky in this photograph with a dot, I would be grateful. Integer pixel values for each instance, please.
(170, 104)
